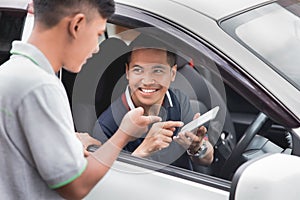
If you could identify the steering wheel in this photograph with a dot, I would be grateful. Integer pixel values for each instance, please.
(232, 162)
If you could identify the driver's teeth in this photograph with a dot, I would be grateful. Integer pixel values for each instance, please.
(147, 91)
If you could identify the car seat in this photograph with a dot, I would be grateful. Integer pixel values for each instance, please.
(113, 81)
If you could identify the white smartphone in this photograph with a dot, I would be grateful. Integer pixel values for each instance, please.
(209, 115)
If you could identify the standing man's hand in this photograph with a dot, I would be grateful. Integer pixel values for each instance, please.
(86, 141)
(134, 123)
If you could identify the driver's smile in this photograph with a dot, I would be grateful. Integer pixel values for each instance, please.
(148, 91)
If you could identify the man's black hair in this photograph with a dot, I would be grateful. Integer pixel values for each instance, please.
(144, 41)
(50, 12)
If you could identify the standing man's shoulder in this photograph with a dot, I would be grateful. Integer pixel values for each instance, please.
(27, 71)
(28, 63)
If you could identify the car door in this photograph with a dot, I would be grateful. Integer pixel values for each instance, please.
(225, 84)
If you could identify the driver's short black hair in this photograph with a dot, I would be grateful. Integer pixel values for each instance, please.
(50, 12)
(144, 41)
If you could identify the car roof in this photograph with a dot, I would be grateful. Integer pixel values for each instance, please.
(215, 9)
(18, 4)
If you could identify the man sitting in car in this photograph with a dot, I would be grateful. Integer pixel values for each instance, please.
(150, 70)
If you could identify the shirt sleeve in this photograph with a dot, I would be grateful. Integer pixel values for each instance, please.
(47, 123)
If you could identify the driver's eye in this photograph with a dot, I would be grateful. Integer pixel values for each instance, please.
(137, 70)
(157, 71)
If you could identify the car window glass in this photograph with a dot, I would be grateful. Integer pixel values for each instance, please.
(11, 27)
(278, 44)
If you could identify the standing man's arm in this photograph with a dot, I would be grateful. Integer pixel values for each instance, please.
(133, 125)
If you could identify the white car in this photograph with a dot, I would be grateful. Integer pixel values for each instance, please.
(242, 56)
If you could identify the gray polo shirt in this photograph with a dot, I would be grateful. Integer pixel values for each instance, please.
(39, 150)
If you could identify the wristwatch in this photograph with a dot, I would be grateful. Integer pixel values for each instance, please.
(200, 153)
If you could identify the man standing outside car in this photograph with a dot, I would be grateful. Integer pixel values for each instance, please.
(41, 157)
(150, 70)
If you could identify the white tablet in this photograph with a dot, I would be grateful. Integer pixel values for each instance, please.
(209, 115)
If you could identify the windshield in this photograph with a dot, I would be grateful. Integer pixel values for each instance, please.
(273, 33)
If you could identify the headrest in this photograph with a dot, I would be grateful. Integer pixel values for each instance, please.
(182, 60)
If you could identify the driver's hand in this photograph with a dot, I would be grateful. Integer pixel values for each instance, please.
(159, 137)
(193, 142)
(189, 140)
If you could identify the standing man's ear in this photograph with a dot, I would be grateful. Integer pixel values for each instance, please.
(76, 24)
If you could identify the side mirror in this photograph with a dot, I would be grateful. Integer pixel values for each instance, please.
(274, 176)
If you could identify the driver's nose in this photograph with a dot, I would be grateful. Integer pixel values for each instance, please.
(148, 80)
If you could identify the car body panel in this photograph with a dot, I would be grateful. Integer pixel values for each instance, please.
(149, 185)
(28, 27)
(217, 9)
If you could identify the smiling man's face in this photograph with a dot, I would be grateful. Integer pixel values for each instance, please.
(149, 75)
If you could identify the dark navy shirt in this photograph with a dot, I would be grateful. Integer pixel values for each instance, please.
(176, 107)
